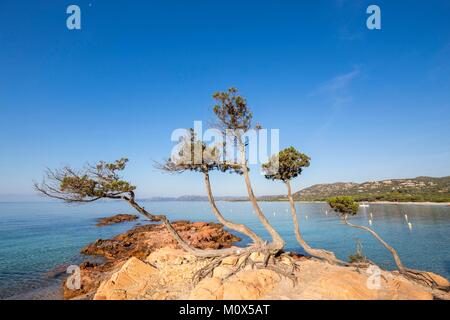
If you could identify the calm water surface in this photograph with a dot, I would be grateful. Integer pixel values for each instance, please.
(37, 237)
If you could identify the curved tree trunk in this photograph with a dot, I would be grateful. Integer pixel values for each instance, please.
(231, 225)
(322, 254)
(394, 253)
(278, 242)
(183, 244)
(418, 276)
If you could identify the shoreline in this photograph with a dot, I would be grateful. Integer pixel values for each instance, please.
(422, 203)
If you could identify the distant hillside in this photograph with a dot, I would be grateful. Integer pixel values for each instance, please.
(194, 198)
(416, 190)
(400, 190)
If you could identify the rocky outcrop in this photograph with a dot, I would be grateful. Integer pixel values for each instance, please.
(319, 280)
(167, 274)
(118, 218)
(146, 263)
(133, 278)
(245, 285)
(140, 242)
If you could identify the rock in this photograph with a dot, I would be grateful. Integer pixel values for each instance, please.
(207, 289)
(92, 274)
(57, 271)
(396, 288)
(130, 282)
(222, 271)
(240, 291)
(140, 241)
(87, 265)
(146, 263)
(165, 256)
(319, 280)
(257, 257)
(441, 281)
(230, 260)
(171, 272)
(176, 269)
(250, 285)
(245, 285)
(118, 218)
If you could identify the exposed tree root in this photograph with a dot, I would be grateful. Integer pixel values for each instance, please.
(273, 261)
(327, 256)
(423, 278)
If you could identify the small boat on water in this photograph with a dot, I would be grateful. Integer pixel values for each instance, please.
(364, 205)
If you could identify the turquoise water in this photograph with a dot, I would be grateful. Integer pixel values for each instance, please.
(37, 237)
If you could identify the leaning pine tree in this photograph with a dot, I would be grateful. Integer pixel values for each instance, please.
(345, 206)
(285, 166)
(103, 181)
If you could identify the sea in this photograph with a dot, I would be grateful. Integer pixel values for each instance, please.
(38, 240)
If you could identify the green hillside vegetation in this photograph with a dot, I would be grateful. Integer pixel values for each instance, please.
(418, 189)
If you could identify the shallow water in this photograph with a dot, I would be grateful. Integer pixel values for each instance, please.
(37, 237)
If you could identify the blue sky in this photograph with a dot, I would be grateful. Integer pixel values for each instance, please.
(365, 105)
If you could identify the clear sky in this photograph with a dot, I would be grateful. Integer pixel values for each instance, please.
(364, 104)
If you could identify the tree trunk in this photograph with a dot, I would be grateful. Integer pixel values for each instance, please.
(233, 226)
(183, 244)
(394, 253)
(418, 276)
(278, 242)
(322, 254)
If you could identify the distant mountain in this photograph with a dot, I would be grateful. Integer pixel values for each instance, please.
(399, 190)
(194, 198)
(415, 190)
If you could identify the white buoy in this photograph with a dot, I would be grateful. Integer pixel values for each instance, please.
(326, 212)
(410, 225)
(306, 217)
(274, 214)
(406, 217)
(370, 222)
(371, 216)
